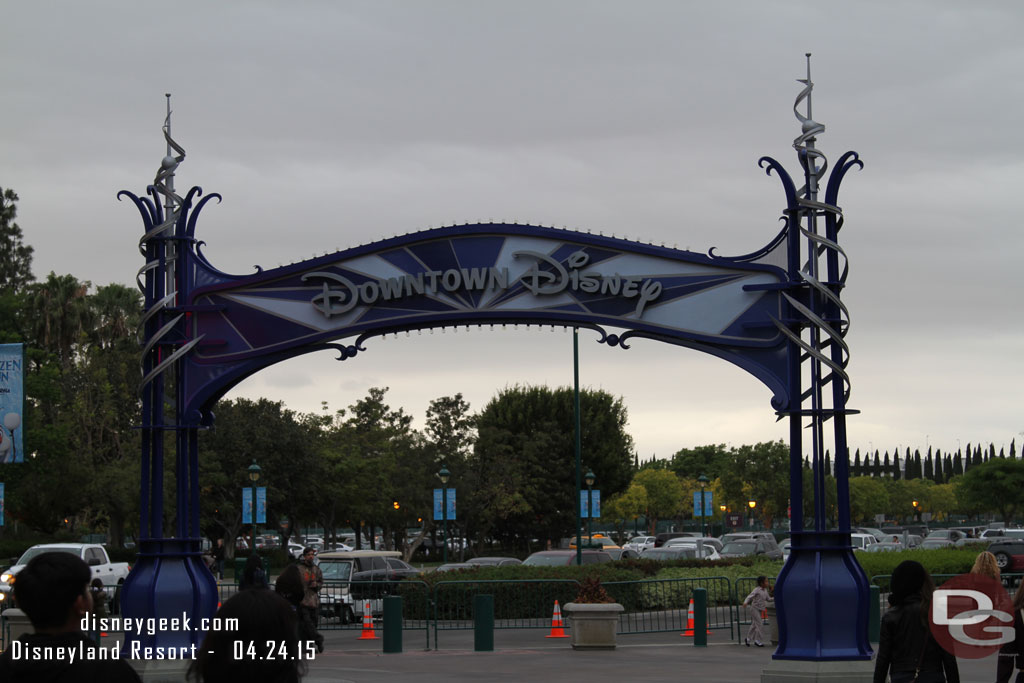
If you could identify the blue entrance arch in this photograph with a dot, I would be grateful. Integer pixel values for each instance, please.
(776, 312)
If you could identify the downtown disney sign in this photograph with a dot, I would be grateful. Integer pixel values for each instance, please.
(546, 276)
(487, 274)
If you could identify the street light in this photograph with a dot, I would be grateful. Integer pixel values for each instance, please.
(444, 475)
(703, 523)
(915, 511)
(254, 477)
(752, 504)
(589, 478)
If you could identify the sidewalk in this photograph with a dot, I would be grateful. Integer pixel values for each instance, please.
(526, 655)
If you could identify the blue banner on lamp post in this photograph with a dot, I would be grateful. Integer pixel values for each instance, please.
(708, 507)
(261, 505)
(438, 497)
(247, 505)
(595, 504)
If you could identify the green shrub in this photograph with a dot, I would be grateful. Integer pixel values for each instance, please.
(938, 561)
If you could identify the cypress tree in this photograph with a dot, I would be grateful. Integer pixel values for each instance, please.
(1013, 448)
(896, 474)
(855, 470)
(977, 456)
(876, 470)
(958, 466)
(928, 472)
(917, 465)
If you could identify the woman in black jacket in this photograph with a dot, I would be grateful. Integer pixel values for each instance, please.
(906, 649)
(1013, 652)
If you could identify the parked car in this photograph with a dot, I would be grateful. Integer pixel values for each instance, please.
(112, 574)
(765, 544)
(638, 544)
(621, 553)
(998, 534)
(494, 561)
(861, 541)
(933, 543)
(667, 553)
(705, 551)
(744, 547)
(456, 566)
(785, 545)
(559, 558)
(660, 539)
(877, 533)
(951, 535)
(602, 541)
(1009, 554)
(295, 549)
(887, 546)
(707, 540)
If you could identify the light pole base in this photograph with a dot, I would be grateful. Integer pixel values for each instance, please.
(821, 600)
(842, 671)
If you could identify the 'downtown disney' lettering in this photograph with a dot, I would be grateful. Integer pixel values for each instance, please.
(559, 279)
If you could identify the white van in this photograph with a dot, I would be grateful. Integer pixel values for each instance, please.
(862, 541)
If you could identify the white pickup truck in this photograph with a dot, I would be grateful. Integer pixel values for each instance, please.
(112, 574)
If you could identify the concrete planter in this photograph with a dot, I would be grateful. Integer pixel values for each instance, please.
(592, 626)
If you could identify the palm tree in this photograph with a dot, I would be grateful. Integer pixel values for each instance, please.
(62, 315)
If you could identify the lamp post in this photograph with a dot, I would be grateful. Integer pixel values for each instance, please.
(254, 477)
(444, 475)
(703, 523)
(722, 508)
(915, 511)
(752, 504)
(589, 478)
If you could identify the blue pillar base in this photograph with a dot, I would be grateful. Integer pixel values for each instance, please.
(169, 581)
(821, 600)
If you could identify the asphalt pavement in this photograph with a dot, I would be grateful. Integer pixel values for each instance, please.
(528, 655)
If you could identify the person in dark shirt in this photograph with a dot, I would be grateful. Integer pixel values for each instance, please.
(53, 590)
(906, 650)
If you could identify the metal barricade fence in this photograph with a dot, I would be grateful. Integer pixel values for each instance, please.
(656, 605)
(1010, 580)
(517, 604)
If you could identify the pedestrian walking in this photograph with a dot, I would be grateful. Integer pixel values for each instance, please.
(309, 608)
(218, 557)
(1013, 652)
(253, 575)
(906, 649)
(757, 603)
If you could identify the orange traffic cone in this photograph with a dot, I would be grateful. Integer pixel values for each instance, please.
(689, 622)
(368, 633)
(557, 628)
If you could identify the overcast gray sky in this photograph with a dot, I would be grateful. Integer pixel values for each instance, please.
(330, 124)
